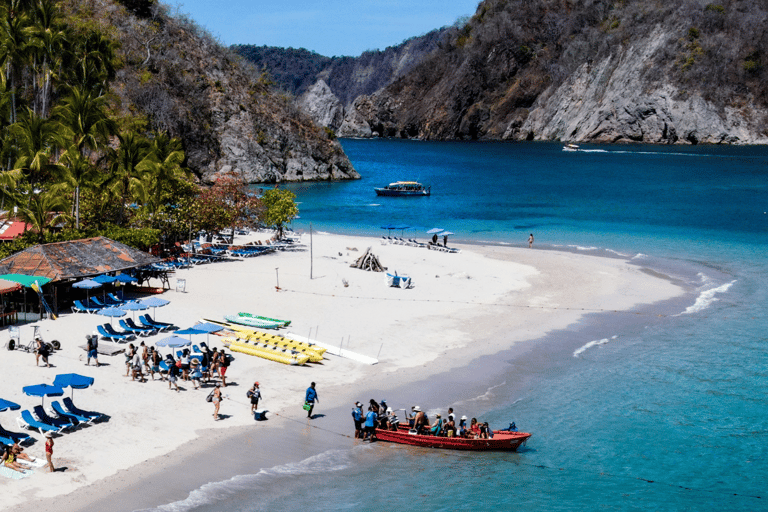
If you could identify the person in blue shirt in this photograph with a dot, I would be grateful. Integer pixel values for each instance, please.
(370, 425)
(357, 415)
(310, 399)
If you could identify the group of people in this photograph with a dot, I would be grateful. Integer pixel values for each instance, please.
(381, 416)
(13, 456)
(196, 368)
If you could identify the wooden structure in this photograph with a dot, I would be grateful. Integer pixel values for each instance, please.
(369, 261)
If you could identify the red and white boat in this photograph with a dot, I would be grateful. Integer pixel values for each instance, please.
(501, 441)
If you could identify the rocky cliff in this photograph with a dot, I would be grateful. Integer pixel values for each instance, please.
(176, 77)
(680, 72)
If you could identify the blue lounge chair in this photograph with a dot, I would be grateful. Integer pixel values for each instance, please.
(147, 320)
(13, 435)
(64, 414)
(95, 302)
(135, 330)
(115, 300)
(64, 423)
(27, 421)
(71, 407)
(107, 332)
(79, 307)
(133, 325)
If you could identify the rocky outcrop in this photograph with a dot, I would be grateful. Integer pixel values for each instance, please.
(684, 73)
(226, 113)
(322, 106)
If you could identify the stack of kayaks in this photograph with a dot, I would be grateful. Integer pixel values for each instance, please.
(256, 321)
(270, 352)
(314, 353)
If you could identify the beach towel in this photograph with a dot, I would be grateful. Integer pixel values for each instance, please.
(14, 475)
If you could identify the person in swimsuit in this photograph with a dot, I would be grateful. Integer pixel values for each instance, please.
(216, 401)
(255, 396)
(93, 348)
(530, 241)
(49, 450)
(128, 357)
(41, 350)
(18, 451)
(9, 460)
(154, 358)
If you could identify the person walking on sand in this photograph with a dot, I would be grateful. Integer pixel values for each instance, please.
(128, 357)
(530, 241)
(254, 394)
(173, 375)
(41, 350)
(93, 349)
(49, 450)
(216, 401)
(310, 398)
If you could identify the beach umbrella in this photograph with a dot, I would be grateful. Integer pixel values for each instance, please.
(154, 303)
(173, 342)
(435, 230)
(133, 306)
(43, 390)
(125, 278)
(191, 331)
(72, 380)
(6, 405)
(208, 327)
(111, 312)
(87, 284)
(104, 279)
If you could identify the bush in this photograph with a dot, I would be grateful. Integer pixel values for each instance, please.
(715, 8)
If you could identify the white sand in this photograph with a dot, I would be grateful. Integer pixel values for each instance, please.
(458, 307)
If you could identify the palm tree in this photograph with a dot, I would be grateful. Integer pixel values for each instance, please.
(42, 211)
(50, 42)
(35, 139)
(15, 36)
(129, 170)
(84, 115)
(75, 172)
(166, 171)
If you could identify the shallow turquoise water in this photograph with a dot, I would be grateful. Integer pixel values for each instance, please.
(628, 413)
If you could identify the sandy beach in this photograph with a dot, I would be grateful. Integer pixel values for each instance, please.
(478, 302)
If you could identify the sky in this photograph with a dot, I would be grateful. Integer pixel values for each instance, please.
(330, 27)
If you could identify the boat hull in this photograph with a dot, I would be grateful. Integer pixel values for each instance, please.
(502, 441)
(401, 193)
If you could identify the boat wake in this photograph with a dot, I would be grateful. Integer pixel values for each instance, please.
(593, 343)
(220, 492)
(706, 298)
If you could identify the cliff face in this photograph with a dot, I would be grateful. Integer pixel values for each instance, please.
(688, 72)
(177, 78)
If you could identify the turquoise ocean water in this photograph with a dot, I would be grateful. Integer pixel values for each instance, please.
(666, 409)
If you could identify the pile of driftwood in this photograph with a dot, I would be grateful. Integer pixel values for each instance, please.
(369, 261)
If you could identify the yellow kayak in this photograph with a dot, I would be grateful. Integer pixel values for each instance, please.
(271, 353)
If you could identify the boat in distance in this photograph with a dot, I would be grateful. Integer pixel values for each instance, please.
(403, 189)
(571, 147)
(501, 441)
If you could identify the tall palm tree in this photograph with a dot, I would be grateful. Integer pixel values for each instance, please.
(130, 166)
(50, 38)
(35, 138)
(84, 116)
(75, 172)
(166, 171)
(15, 36)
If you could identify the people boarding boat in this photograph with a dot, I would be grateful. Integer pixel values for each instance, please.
(403, 189)
(501, 440)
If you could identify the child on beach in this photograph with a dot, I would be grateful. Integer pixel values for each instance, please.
(49, 450)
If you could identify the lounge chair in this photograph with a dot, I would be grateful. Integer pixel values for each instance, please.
(27, 421)
(136, 330)
(95, 302)
(133, 325)
(65, 414)
(71, 407)
(64, 423)
(108, 332)
(115, 300)
(79, 307)
(163, 326)
(13, 435)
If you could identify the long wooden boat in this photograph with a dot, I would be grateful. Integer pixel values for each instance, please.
(501, 441)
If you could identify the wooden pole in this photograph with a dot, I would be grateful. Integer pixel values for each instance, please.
(277, 276)
(311, 254)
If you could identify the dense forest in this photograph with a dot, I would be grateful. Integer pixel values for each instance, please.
(296, 70)
(523, 69)
(77, 157)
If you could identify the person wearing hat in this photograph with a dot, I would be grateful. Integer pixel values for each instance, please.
(92, 342)
(463, 427)
(49, 450)
(393, 420)
(254, 394)
(357, 416)
(420, 420)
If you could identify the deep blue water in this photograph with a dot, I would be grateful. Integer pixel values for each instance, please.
(650, 412)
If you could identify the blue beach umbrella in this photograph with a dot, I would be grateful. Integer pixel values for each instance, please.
(73, 380)
(43, 390)
(87, 284)
(208, 327)
(173, 342)
(435, 230)
(154, 303)
(191, 331)
(104, 279)
(133, 306)
(6, 405)
(111, 312)
(125, 278)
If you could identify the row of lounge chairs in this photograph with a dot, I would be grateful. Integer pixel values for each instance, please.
(415, 243)
(130, 329)
(94, 304)
(65, 418)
